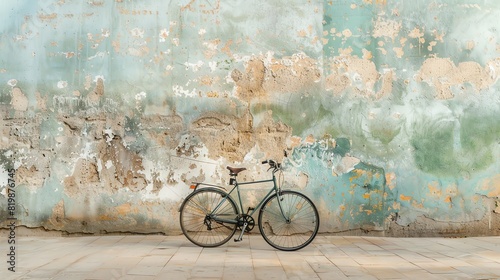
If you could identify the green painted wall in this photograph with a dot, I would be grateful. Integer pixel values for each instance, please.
(389, 110)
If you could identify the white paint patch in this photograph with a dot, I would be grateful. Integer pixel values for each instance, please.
(138, 100)
(195, 67)
(345, 165)
(99, 165)
(229, 80)
(492, 67)
(62, 84)
(137, 32)
(140, 96)
(98, 54)
(12, 82)
(210, 45)
(212, 65)
(105, 33)
(108, 164)
(180, 91)
(243, 58)
(96, 78)
(87, 151)
(109, 135)
(163, 35)
(4, 180)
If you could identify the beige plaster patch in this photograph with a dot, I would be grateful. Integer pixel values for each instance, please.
(264, 76)
(346, 70)
(19, 100)
(443, 75)
(58, 215)
(386, 28)
(232, 137)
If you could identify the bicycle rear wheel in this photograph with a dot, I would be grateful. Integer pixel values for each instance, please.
(295, 232)
(196, 220)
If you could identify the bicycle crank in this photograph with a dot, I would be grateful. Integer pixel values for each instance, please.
(246, 219)
(245, 223)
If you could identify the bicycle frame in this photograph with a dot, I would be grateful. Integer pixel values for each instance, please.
(274, 189)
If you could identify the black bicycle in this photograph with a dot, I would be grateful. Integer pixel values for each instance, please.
(209, 216)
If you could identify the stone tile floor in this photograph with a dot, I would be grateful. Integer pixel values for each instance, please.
(328, 257)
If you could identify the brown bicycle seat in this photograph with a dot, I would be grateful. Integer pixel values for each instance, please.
(233, 171)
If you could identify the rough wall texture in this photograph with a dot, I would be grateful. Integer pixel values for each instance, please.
(389, 109)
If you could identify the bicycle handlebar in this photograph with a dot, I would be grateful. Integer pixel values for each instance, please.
(272, 164)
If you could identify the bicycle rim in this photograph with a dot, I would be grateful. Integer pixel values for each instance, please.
(193, 218)
(301, 228)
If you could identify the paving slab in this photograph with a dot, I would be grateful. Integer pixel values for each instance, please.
(328, 257)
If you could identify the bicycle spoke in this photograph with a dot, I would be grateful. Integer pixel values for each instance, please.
(196, 219)
(292, 229)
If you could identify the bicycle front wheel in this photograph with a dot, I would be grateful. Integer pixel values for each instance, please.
(291, 227)
(197, 217)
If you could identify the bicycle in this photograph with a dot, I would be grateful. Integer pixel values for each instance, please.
(209, 216)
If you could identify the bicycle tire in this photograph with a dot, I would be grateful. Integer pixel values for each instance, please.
(193, 217)
(303, 222)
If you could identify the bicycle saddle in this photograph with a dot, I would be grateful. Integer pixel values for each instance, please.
(233, 171)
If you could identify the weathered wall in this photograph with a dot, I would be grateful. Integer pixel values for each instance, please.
(390, 110)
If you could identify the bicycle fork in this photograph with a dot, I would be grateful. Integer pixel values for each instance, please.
(280, 199)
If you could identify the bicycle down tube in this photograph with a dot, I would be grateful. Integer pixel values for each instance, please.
(240, 210)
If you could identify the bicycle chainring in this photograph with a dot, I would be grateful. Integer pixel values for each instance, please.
(249, 220)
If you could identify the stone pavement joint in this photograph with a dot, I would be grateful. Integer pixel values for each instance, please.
(328, 257)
